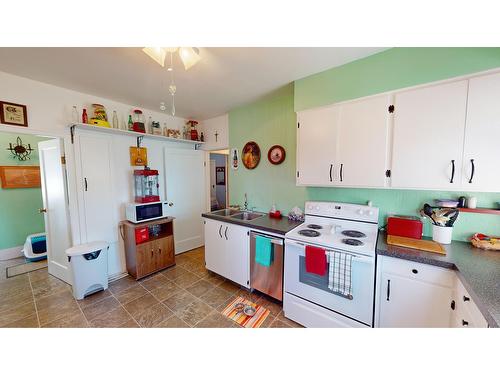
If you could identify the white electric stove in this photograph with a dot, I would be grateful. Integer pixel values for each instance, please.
(339, 228)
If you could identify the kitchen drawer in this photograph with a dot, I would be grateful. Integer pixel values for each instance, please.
(417, 271)
(465, 306)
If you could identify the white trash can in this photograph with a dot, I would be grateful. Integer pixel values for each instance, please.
(89, 265)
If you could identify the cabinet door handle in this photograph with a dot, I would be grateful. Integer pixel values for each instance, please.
(159, 250)
(472, 172)
(466, 299)
(465, 323)
(452, 171)
(341, 172)
(86, 184)
(415, 271)
(152, 252)
(331, 169)
(225, 233)
(388, 289)
(220, 234)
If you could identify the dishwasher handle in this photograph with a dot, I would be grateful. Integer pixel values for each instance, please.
(274, 240)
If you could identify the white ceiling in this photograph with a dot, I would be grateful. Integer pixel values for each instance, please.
(224, 78)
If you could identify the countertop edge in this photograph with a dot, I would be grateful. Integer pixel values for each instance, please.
(247, 224)
(438, 263)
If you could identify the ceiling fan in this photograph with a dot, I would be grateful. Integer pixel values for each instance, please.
(189, 57)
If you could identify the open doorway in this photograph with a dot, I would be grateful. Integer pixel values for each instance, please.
(34, 222)
(218, 179)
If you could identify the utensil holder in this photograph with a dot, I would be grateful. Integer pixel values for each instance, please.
(442, 234)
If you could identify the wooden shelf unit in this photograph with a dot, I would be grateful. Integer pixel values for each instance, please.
(489, 211)
(153, 255)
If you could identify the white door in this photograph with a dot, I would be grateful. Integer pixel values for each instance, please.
(55, 203)
(410, 303)
(215, 247)
(98, 214)
(482, 135)
(238, 253)
(428, 137)
(185, 190)
(317, 146)
(363, 142)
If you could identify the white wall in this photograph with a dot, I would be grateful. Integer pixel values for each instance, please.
(209, 127)
(49, 113)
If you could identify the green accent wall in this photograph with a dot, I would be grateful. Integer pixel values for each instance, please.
(391, 70)
(19, 207)
(272, 120)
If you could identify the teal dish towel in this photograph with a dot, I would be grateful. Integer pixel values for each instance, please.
(263, 251)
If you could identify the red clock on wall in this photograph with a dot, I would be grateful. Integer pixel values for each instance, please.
(276, 155)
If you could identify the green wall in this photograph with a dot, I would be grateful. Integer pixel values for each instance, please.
(19, 207)
(272, 121)
(390, 70)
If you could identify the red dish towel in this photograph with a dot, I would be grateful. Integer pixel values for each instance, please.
(315, 260)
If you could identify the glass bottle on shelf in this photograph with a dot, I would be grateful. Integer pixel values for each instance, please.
(85, 117)
(130, 123)
(74, 115)
(115, 120)
(149, 129)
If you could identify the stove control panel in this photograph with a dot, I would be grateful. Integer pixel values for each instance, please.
(342, 210)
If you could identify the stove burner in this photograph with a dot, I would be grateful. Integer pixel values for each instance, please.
(314, 226)
(352, 242)
(353, 233)
(309, 233)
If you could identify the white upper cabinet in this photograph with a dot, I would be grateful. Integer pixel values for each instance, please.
(363, 134)
(482, 135)
(428, 137)
(317, 146)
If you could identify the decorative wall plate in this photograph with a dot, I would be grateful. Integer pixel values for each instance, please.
(250, 155)
(276, 154)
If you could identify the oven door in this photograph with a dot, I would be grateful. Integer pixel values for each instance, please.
(314, 288)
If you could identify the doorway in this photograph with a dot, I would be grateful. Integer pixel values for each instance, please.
(218, 180)
(34, 221)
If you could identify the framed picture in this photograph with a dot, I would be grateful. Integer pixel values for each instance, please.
(250, 155)
(220, 175)
(276, 155)
(17, 177)
(13, 114)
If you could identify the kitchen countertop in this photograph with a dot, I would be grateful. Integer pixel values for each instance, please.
(265, 223)
(479, 271)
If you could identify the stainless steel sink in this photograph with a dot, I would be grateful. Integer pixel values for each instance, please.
(247, 216)
(225, 212)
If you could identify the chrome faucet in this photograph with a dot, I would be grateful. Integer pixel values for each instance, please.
(246, 202)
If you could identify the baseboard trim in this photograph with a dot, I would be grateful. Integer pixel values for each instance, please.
(11, 253)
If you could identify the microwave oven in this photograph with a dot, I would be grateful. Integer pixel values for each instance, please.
(140, 212)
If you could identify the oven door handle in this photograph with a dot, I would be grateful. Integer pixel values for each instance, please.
(274, 240)
(356, 257)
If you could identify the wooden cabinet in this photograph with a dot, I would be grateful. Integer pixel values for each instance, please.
(411, 294)
(482, 135)
(317, 137)
(153, 254)
(227, 250)
(428, 137)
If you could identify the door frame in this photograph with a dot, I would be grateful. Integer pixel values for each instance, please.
(71, 187)
(224, 151)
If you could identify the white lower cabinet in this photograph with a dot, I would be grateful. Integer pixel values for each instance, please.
(411, 294)
(227, 251)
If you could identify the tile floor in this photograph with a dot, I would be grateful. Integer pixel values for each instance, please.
(186, 295)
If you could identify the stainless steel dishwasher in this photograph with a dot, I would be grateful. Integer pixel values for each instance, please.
(268, 280)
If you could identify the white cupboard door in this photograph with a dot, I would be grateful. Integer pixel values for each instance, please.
(186, 195)
(238, 253)
(363, 142)
(317, 146)
(410, 303)
(214, 246)
(96, 184)
(55, 203)
(428, 137)
(482, 135)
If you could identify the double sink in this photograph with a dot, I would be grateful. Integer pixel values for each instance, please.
(237, 214)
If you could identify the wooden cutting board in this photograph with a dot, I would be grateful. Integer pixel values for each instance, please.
(413, 243)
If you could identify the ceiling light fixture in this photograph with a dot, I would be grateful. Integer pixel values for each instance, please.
(189, 57)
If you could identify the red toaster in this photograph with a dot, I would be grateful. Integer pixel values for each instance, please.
(405, 226)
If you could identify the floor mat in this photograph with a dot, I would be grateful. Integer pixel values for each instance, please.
(255, 321)
(20, 269)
